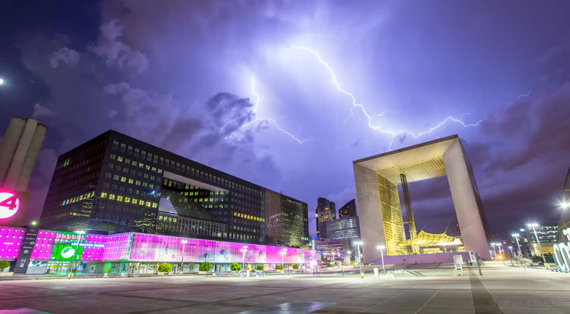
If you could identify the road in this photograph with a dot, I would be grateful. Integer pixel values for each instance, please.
(500, 290)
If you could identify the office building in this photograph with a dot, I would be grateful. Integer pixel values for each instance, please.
(564, 221)
(348, 210)
(343, 228)
(120, 184)
(547, 235)
(325, 211)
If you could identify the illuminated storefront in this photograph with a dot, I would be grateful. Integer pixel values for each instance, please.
(56, 251)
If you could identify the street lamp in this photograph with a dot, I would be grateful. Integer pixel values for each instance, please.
(283, 253)
(183, 251)
(516, 236)
(244, 249)
(565, 205)
(381, 248)
(1, 81)
(79, 233)
(359, 244)
(533, 226)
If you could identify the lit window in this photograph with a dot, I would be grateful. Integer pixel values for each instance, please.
(127, 199)
(154, 205)
(147, 167)
(159, 170)
(148, 204)
(137, 182)
(123, 179)
(119, 198)
(141, 165)
(131, 181)
(111, 196)
(141, 202)
(104, 195)
(135, 200)
(120, 158)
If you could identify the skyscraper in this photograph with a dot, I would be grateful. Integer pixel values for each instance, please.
(348, 210)
(325, 211)
(120, 184)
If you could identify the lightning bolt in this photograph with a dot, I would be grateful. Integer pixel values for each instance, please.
(257, 98)
(356, 105)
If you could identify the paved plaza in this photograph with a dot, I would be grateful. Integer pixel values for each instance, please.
(499, 290)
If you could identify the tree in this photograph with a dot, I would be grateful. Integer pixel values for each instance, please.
(164, 268)
(3, 265)
(235, 266)
(279, 267)
(295, 266)
(205, 266)
(549, 258)
(259, 266)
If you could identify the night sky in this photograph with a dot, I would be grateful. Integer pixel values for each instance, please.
(239, 86)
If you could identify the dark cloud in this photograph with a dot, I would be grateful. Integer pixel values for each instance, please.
(179, 74)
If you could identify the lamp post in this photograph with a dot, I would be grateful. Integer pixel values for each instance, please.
(183, 251)
(79, 233)
(359, 244)
(533, 225)
(381, 248)
(243, 250)
(516, 236)
(283, 253)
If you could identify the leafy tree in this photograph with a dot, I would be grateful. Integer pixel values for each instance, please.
(295, 266)
(279, 267)
(164, 268)
(235, 266)
(3, 265)
(205, 266)
(259, 267)
(549, 258)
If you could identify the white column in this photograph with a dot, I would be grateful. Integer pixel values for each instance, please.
(464, 193)
(370, 215)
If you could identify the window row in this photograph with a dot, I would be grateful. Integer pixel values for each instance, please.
(126, 199)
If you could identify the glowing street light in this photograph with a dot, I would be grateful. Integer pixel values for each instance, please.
(183, 251)
(79, 233)
(533, 226)
(2, 81)
(359, 244)
(244, 249)
(283, 253)
(381, 248)
(565, 205)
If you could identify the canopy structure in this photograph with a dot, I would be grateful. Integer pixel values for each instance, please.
(425, 239)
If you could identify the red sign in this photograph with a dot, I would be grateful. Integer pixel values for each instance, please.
(9, 204)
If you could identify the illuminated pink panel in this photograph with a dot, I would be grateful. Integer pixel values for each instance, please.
(94, 253)
(151, 247)
(10, 242)
(44, 244)
(116, 247)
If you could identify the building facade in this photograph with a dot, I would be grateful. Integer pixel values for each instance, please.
(377, 179)
(344, 228)
(325, 211)
(348, 210)
(19, 150)
(120, 184)
(58, 252)
(547, 236)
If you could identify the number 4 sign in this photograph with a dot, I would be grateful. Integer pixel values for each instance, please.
(9, 204)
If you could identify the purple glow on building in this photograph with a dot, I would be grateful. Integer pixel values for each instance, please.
(11, 241)
(140, 247)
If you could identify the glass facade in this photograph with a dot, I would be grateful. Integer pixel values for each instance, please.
(138, 247)
(325, 211)
(119, 184)
(344, 228)
(348, 210)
